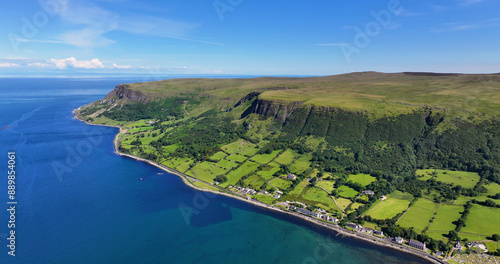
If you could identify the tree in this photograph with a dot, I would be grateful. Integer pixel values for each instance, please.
(495, 237)
(221, 178)
(453, 235)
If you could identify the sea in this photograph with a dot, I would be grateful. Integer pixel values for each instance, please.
(76, 201)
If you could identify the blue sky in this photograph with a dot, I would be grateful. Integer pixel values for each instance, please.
(248, 37)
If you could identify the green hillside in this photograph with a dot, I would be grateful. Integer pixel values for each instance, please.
(412, 135)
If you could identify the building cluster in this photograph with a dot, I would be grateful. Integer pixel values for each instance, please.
(244, 190)
(321, 214)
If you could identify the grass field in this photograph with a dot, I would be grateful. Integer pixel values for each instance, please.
(218, 156)
(286, 158)
(236, 158)
(241, 147)
(255, 182)
(268, 171)
(327, 185)
(419, 215)
(363, 179)
(317, 195)
(347, 192)
(299, 188)
(443, 223)
(395, 203)
(265, 158)
(227, 164)
(235, 175)
(183, 167)
(463, 178)
(207, 171)
(301, 164)
(264, 198)
(482, 221)
(205, 186)
(343, 203)
(282, 184)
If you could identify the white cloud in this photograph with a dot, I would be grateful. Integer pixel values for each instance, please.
(8, 65)
(69, 63)
(123, 67)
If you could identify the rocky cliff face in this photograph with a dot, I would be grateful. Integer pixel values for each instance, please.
(124, 93)
(280, 111)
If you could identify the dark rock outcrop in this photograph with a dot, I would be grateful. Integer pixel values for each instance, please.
(124, 93)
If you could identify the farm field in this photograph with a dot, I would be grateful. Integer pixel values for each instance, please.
(443, 223)
(265, 158)
(317, 195)
(465, 179)
(264, 198)
(282, 184)
(236, 158)
(395, 203)
(327, 185)
(363, 179)
(301, 164)
(268, 171)
(235, 175)
(218, 156)
(255, 182)
(287, 157)
(481, 221)
(227, 164)
(297, 191)
(343, 203)
(419, 215)
(207, 171)
(347, 192)
(241, 147)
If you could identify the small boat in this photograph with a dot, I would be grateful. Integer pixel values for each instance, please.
(141, 179)
(160, 173)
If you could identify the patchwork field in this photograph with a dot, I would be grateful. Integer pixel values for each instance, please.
(395, 203)
(255, 182)
(282, 184)
(241, 147)
(265, 158)
(317, 195)
(268, 171)
(419, 215)
(264, 198)
(287, 157)
(207, 171)
(347, 192)
(465, 179)
(483, 221)
(236, 158)
(363, 179)
(327, 185)
(443, 223)
(301, 164)
(235, 175)
(343, 203)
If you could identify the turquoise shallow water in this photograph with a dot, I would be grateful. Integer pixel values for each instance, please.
(80, 203)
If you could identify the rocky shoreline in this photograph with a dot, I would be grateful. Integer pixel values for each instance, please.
(188, 181)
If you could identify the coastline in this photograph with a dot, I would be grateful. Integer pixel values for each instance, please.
(188, 180)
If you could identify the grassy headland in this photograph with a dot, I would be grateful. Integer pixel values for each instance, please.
(427, 146)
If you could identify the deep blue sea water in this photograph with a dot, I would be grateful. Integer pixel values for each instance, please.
(78, 202)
